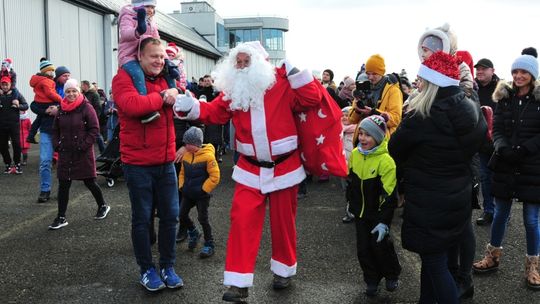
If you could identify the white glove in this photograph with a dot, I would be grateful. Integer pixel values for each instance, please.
(382, 230)
(184, 102)
(291, 70)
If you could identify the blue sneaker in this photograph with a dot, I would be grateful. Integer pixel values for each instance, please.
(171, 279)
(151, 280)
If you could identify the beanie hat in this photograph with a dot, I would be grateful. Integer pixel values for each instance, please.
(346, 109)
(172, 50)
(530, 51)
(61, 70)
(6, 79)
(348, 81)
(466, 57)
(7, 63)
(45, 66)
(447, 37)
(331, 73)
(72, 83)
(440, 69)
(375, 126)
(527, 63)
(433, 43)
(193, 136)
(375, 64)
(137, 3)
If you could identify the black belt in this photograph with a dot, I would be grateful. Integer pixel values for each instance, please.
(268, 164)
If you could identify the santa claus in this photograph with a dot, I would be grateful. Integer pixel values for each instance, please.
(262, 102)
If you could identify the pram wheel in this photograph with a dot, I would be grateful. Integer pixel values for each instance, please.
(110, 182)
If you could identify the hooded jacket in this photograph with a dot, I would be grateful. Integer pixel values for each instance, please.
(433, 156)
(128, 44)
(371, 191)
(9, 116)
(44, 89)
(516, 123)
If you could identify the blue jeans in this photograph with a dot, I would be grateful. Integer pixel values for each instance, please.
(436, 282)
(45, 160)
(111, 124)
(530, 220)
(485, 180)
(158, 185)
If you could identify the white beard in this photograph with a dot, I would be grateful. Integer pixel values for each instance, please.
(246, 87)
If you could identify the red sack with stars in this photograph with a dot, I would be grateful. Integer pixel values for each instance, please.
(319, 135)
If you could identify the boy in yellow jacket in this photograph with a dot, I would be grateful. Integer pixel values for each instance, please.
(199, 175)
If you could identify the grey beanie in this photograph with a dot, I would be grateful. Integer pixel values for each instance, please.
(527, 63)
(433, 43)
(375, 126)
(193, 136)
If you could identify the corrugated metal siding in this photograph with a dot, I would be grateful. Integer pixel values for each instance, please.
(63, 29)
(25, 40)
(2, 32)
(197, 65)
(92, 65)
(76, 40)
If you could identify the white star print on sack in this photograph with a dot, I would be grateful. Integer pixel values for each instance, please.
(319, 133)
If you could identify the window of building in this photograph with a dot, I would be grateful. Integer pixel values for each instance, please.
(222, 35)
(243, 35)
(272, 39)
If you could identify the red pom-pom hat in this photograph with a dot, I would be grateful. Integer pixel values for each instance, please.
(440, 69)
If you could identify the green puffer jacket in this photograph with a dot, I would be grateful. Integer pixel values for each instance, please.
(371, 190)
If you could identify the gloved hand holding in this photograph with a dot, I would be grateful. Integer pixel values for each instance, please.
(382, 229)
(141, 20)
(173, 70)
(184, 102)
(291, 70)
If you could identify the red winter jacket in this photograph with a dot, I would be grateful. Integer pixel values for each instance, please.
(143, 144)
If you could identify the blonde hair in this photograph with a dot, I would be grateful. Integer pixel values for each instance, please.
(421, 104)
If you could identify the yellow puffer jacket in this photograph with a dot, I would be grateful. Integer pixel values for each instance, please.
(391, 103)
(199, 174)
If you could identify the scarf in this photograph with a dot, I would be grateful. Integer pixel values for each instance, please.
(366, 152)
(67, 106)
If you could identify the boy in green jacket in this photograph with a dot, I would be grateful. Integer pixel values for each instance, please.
(371, 193)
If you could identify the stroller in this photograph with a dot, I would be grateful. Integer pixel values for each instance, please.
(111, 168)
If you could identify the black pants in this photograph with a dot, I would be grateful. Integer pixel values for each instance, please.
(202, 215)
(35, 126)
(12, 133)
(63, 194)
(378, 260)
(461, 256)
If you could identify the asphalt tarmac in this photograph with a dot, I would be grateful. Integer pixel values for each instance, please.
(92, 261)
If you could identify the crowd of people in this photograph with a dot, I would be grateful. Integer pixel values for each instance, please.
(429, 146)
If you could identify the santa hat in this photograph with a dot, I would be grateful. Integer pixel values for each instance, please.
(466, 57)
(440, 69)
(251, 48)
(7, 63)
(172, 50)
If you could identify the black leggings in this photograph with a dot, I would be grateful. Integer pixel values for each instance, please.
(12, 133)
(63, 194)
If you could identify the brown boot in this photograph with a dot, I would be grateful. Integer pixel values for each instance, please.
(490, 262)
(531, 272)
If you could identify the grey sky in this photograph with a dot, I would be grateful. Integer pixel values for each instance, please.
(342, 34)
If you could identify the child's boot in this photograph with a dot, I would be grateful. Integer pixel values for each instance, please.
(207, 250)
(490, 262)
(531, 272)
(193, 237)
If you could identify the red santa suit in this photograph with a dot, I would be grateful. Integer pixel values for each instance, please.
(269, 167)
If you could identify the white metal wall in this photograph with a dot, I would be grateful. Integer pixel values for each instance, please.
(22, 24)
(76, 41)
(196, 65)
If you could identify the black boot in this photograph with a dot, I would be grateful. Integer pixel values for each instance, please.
(235, 294)
(44, 196)
(280, 282)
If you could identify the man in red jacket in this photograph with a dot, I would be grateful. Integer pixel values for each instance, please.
(148, 152)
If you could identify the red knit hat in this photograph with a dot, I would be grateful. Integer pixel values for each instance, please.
(6, 79)
(440, 69)
(172, 49)
(466, 57)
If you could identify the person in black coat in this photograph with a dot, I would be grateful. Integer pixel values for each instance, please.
(433, 148)
(11, 103)
(516, 164)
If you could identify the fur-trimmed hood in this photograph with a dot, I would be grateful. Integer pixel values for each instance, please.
(504, 89)
(443, 32)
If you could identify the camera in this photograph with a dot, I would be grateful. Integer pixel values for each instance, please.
(361, 92)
